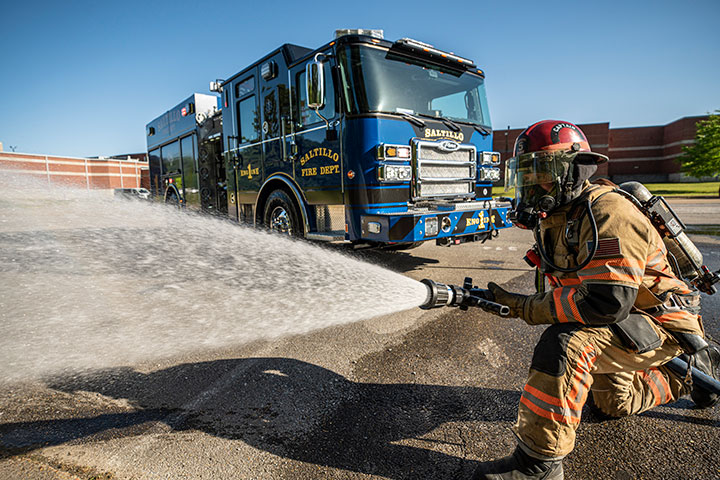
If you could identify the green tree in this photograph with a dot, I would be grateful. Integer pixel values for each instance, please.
(702, 159)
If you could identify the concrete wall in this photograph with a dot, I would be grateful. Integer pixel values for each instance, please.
(95, 173)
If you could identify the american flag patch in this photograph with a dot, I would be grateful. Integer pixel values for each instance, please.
(607, 247)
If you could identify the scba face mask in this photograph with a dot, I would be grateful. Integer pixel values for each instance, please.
(540, 180)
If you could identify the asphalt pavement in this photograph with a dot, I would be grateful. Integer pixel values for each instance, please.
(414, 395)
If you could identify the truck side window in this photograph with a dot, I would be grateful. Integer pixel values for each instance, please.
(170, 154)
(155, 171)
(306, 116)
(248, 120)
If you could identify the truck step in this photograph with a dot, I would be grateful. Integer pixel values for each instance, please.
(335, 236)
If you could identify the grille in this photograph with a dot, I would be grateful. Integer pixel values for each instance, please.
(442, 173)
(444, 189)
(433, 152)
(445, 171)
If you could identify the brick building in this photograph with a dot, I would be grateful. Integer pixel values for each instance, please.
(95, 173)
(645, 154)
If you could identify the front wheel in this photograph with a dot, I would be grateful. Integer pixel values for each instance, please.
(280, 214)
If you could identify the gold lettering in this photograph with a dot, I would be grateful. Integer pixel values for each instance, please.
(319, 152)
(249, 172)
(329, 169)
(434, 133)
(472, 221)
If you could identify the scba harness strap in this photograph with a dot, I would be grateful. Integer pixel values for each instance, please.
(576, 215)
(674, 302)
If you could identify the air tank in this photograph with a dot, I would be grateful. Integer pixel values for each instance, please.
(686, 254)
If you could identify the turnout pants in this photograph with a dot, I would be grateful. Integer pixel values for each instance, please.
(571, 360)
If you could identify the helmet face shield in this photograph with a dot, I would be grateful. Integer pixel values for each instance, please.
(537, 176)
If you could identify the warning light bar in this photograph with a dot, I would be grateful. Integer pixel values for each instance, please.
(375, 33)
(424, 49)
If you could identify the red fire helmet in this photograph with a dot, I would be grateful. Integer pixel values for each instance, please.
(554, 135)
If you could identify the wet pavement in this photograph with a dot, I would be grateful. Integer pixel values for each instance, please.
(418, 394)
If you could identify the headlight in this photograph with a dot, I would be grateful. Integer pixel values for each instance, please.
(394, 173)
(490, 174)
(489, 158)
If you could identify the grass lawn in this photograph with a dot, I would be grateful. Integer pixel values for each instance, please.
(684, 189)
(695, 189)
(500, 192)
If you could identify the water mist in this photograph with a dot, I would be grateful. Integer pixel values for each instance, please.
(89, 281)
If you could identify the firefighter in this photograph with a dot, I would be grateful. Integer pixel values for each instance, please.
(617, 312)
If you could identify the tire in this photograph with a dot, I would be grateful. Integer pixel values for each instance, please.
(403, 246)
(281, 215)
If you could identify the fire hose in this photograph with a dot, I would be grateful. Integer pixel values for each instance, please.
(441, 295)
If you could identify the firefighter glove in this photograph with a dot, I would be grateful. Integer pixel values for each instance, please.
(515, 301)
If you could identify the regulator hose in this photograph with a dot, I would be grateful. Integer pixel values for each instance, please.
(591, 254)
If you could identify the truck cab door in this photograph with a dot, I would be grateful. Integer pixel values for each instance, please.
(317, 149)
(247, 158)
(275, 111)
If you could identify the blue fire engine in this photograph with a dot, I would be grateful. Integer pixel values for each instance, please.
(361, 140)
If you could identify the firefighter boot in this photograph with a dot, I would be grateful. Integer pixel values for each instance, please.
(708, 361)
(520, 466)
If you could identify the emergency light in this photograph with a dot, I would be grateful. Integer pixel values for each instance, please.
(422, 47)
(187, 109)
(269, 70)
(393, 152)
(376, 33)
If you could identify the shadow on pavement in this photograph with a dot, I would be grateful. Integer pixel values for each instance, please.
(286, 407)
(397, 261)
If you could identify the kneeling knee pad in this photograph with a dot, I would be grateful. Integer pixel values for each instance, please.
(550, 354)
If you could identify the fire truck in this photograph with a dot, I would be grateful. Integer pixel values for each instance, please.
(362, 140)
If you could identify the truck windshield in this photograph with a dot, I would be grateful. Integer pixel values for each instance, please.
(375, 82)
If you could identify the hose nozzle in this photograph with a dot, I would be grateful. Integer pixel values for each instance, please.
(441, 295)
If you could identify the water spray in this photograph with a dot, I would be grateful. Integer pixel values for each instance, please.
(441, 295)
(90, 281)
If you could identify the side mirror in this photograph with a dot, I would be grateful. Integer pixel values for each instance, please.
(315, 85)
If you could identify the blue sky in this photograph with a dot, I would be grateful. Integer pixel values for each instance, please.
(83, 78)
